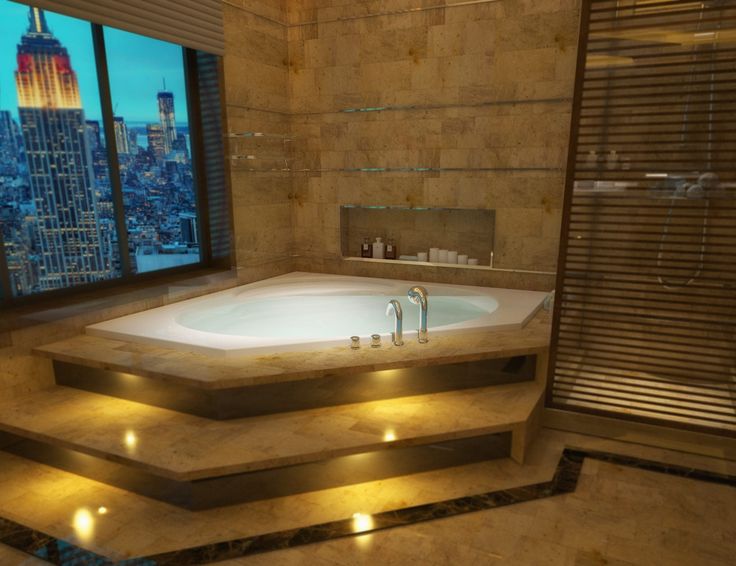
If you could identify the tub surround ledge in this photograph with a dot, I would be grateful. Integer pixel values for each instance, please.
(207, 372)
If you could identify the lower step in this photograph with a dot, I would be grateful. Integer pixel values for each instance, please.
(270, 483)
(198, 463)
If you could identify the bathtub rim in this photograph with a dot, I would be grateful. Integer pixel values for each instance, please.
(232, 346)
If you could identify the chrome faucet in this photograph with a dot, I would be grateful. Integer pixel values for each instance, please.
(397, 336)
(418, 295)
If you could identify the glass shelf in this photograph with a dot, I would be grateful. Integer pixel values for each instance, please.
(447, 265)
(259, 135)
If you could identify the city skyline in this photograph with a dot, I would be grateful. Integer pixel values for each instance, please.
(56, 212)
(158, 61)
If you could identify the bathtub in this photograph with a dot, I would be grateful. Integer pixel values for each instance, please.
(306, 311)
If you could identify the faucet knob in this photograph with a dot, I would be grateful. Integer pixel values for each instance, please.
(375, 340)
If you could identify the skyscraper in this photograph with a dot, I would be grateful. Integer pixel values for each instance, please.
(9, 151)
(188, 225)
(156, 141)
(121, 135)
(93, 135)
(59, 161)
(167, 117)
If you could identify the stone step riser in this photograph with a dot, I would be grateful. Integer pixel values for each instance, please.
(265, 484)
(288, 396)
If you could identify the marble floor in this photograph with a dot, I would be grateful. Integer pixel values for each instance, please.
(618, 515)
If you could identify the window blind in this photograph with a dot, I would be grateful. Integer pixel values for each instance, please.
(196, 24)
(645, 324)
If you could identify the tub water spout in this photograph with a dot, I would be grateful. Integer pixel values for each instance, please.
(397, 336)
(418, 295)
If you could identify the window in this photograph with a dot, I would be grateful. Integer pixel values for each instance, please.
(154, 150)
(57, 214)
(97, 180)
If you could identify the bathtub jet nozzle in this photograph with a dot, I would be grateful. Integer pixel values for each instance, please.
(397, 336)
(419, 296)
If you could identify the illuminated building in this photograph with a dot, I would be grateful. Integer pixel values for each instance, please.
(156, 142)
(168, 119)
(59, 161)
(121, 135)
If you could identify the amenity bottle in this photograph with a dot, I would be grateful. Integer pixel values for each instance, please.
(366, 249)
(391, 249)
(378, 248)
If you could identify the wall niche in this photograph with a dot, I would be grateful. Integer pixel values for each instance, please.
(469, 232)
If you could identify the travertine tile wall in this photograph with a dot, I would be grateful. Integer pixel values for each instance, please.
(256, 97)
(495, 83)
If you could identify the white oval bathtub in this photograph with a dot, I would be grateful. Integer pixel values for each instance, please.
(305, 311)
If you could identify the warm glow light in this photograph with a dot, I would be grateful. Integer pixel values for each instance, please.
(362, 522)
(102, 510)
(388, 373)
(131, 440)
(84, 524)
(389, 436)
(37, 17)
(595, 61)
(644, 7)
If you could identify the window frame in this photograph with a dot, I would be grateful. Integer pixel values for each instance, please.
(190, 68)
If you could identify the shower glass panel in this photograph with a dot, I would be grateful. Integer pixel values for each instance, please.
(646, 316)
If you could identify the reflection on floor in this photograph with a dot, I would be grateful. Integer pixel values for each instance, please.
(617, 515)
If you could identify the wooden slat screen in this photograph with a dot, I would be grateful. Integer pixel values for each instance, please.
(645, 320)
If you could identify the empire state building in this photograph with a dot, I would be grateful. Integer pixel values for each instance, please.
(59, 161)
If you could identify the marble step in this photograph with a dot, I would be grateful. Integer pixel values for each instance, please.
(199, 463)
(212, 373)
(227, 388)
(283, 397)
(184, 447)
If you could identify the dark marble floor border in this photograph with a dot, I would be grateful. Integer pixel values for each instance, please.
(565, 479)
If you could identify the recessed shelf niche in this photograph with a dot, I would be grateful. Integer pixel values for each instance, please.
(467, 231)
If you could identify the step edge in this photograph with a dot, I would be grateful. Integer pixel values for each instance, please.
(260, 465)
(297, 375)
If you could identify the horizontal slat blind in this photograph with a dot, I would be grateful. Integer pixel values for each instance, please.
(645, 326)
(192, 23)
